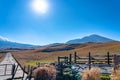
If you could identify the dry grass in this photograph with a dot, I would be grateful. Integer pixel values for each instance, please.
(115, 75)
(46, 72)
(81, 49)
(92, 74)
(2, 55)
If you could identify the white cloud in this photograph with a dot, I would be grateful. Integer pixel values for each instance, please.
(4, 38)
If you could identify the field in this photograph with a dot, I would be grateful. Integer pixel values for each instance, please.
(2, 55)
(50, 54)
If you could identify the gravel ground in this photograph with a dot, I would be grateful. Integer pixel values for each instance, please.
(106, 69)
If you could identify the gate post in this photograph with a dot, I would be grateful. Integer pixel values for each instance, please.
(28, 69)
(70, 59)
(13, 69)
(30, 75)
(115, 61)
(89, 60)
(5, 69)
(75, 55)
(108, 58)
(58, 60)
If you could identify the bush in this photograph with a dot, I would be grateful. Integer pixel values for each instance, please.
(46, 72)
(115, 75)
(92, 74)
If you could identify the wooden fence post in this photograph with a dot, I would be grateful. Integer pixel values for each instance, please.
(30, 75)
(5, 69)
(89, 60)
(58, 60)
(115, 61)
(14, 72)
(70, 59)
(28, 69)
(23, 73)
(75, 57)
(108, 58)
(61, 69)
(13, 69)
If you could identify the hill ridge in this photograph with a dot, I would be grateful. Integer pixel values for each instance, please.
(91, 38)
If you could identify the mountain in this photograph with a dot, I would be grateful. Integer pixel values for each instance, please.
(53, 44)
(92, 38)
(83, 49)
(6, 44)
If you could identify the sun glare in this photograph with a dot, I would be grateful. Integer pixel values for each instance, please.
(39, 6)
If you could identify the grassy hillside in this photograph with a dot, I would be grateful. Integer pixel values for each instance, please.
(51, 53)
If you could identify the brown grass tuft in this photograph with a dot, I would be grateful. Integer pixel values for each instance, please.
(47, 72)
(92, 74)
(115, 75)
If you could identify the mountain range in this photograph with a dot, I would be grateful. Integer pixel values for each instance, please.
(5, 43)
(92, 38)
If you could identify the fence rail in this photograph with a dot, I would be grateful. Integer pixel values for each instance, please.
(75, 59)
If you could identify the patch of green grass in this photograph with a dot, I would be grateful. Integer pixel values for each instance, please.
(105, 77)
(33, 63)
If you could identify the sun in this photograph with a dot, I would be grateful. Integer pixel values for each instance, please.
(39, 6)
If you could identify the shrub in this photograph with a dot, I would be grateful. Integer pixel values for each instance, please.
(115, 75)
(46, 72)
(92, 74)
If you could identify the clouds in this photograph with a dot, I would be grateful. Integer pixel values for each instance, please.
(4, 38)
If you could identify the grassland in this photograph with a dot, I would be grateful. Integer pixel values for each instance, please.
(2, 55)
(50, 54)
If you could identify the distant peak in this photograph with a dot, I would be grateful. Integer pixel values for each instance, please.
(91, 38)
(94, 35)
(3, 38)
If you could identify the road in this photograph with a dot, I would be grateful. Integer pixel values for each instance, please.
(9, 60)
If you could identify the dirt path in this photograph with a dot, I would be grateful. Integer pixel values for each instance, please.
(9, 60)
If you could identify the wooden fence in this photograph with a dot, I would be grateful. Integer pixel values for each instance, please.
(107, 59)
(75, 59)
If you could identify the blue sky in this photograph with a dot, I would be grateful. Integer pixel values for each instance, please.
(64, 20)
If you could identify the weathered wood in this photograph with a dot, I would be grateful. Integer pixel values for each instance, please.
(13, 69)
(23, 73)
(65, 58)
(5, 69)
(108, 58)
(116, 61)
(75, 54)
(70, 59)
(14, 72)
(28, 69)
(89, 60)
(61, 69)
(30, 75)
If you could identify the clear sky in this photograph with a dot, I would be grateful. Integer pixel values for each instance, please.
(62, 20)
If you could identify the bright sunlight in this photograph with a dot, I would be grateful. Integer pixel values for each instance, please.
(39, 6)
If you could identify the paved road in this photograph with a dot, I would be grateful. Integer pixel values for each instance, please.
(9, 60)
